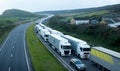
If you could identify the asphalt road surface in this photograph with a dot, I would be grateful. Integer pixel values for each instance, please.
(13, 52)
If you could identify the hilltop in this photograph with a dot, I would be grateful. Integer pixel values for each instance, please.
(17, 13)
(110, 8)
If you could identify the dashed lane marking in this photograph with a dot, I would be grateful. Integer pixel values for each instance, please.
(11, 55)
(9, 69)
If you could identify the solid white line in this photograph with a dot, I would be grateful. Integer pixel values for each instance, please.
(11, 55)
(9, 69)
(26, 53)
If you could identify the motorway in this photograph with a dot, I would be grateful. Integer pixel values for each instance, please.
(65, 60)
(14, 54)
(13, 51)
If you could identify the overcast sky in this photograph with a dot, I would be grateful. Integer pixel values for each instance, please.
(43, 5)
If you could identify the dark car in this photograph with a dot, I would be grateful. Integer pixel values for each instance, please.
(77, 63)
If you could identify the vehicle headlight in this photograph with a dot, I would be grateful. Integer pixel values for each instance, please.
(62, 52)
(78, 67)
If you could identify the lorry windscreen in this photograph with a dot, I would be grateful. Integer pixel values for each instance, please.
(46, 35)
(65, 47)
(86, 49)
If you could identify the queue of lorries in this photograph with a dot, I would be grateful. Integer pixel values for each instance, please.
(104, 58)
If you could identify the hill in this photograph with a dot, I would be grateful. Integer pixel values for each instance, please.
(17, 13)
(111, 8)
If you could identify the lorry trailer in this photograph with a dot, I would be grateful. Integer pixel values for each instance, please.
(105, 59)
(79, 47)
(60, 44)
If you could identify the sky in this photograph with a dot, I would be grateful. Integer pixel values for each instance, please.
(45, 5)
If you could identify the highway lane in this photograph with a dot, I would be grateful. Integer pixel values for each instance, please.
(13, 53)
(65, 60)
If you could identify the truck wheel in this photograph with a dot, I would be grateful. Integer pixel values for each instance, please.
(70, 63)
(99, 67)
(60, 53)
(102, 69)
(79, 56)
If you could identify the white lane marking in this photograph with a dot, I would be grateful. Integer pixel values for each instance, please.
(13, 47)
(26, 53)
(11, 55)
(9, 69)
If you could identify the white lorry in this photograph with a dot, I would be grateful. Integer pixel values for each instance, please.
(54, 31)
(57, 32)
(42, 25)
(60, 44)
(79, 47)
(44, 33)
(105, 59)
(37, 28)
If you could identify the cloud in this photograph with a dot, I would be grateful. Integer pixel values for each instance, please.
(41, 5)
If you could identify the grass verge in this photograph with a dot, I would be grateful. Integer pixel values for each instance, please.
(42, 59)
(3, 36)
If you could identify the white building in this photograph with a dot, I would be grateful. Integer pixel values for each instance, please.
(115, 25)
(81, 21)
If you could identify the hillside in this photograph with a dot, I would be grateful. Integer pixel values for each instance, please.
(111, 8)
(17, 13)
(94, 34)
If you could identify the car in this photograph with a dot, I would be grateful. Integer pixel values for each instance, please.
(77, 63)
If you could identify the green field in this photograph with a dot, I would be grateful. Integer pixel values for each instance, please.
(97, 13)
(95, 35)
(42, 59)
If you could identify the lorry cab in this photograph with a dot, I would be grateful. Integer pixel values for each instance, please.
(60, 44)
(65, 49)
(37, 29)
(84, 51)
(45, 34)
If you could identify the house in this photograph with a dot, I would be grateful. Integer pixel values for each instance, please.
(112, 20)
(82, 21)
(72, 21)
(94, 21)
(79, 21)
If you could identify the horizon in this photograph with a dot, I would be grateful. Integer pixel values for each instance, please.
(40, 6)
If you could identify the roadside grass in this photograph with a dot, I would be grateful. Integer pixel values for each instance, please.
(42, 59)
(3, 36)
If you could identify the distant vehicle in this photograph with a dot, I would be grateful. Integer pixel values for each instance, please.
(56, 32)
(60, 44)
(79, 47)
(37, 28)
(49, 29)
(44, 33)
(43, 26)
(105, 59)
(77, 64)
(37, 22)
